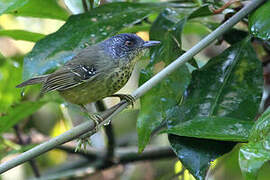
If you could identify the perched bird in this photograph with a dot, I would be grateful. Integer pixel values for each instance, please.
(97, 71)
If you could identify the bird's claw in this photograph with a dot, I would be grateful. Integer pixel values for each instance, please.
(97, 119)
(127, 97)
(82, 144)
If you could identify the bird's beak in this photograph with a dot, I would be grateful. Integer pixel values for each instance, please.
(148, 44)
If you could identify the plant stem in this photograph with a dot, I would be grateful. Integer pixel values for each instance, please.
(21, 141)
(108, 114)
(108, 131)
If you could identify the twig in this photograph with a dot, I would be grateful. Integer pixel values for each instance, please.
(221, 9)
(108, 114)
(21, 141)
(108, 131)
(85, 8)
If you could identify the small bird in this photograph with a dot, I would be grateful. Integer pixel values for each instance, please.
(97, 71)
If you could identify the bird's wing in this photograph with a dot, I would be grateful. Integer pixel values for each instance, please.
(69, 76)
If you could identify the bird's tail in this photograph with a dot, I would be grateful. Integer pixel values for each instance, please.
(35, 80)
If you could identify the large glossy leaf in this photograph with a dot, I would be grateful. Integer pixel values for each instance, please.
(21, 35)
(253, 155)
(168, 29)
(196, 154)
(168, 92)
(10, 76)
(11, 5)
(17, 112)
(259, 24)
(229, 86)
(216, 128)
(90, 28)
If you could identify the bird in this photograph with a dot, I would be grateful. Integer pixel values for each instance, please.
(96, 72)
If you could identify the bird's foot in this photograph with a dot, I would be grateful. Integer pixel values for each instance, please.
(82, 144)
(127, 97)
(96, 118)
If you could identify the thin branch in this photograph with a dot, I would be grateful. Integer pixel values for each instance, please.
(108, 131)
(85, 8)
(21, 141)
(108, 114)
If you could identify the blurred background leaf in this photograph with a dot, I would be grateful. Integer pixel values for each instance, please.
(38, 8)
(10, 76)
(18, 112)
(21, 35)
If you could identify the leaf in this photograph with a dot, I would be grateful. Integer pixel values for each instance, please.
(259, 24)
(11, 5)
(196, 154)
(168, 29)
(228, 86)
(22, 35)
(216, 128)
(18, 112)
(167, 93)
(10, 76)
(254, 154)
(91, 27)
(40, 9)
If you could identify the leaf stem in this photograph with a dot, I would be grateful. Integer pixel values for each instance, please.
(108, 114)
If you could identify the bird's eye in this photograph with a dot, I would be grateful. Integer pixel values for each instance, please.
(129, 43)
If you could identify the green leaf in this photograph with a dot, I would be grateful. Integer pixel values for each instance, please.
(41, 9)
(254, 154)
(259, 24)
(196, 154)
(11, 5)
(168, 29)
(91, 27)
(216, 128)
(18, 112)
(228, 86)
(167, 93)
(10, 76)
(22, 35)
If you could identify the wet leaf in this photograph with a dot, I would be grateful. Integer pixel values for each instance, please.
(254, 154)
(91, 27)
(167, 28)
(259, 24)
(228, 87)
(196, 154)
(21, 35)
(167, 93)
(216, 128)
(18, 112)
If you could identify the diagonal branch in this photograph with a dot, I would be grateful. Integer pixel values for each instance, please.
(108, 114)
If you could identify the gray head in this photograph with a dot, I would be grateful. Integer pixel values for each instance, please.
(126, 46)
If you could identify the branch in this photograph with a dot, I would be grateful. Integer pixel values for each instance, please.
(21, 141)
(108, 114)
(108, 131)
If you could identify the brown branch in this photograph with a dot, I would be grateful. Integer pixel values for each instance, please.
(108, 131)
(225, 6)
(22, 141)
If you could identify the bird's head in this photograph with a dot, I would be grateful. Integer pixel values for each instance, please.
(126, 46)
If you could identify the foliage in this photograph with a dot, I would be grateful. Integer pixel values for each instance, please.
(205, 108)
